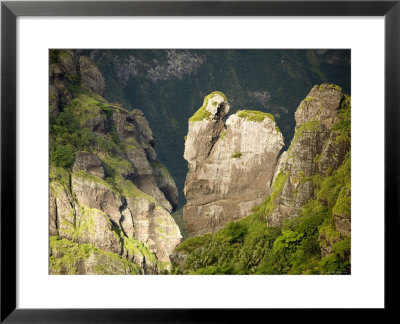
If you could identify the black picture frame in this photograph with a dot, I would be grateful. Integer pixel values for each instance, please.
(10, 10)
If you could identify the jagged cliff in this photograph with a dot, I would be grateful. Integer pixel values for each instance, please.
(316, 149)
(110, 197)
(231, 164)
(318, 156)
(302, 225)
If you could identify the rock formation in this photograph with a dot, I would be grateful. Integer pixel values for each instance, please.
(231, 164)
(61, 65)
(110, 198)
(90, 163)
(92, 79)
(314, 150)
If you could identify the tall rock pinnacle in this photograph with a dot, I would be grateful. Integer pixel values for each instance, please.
(231, 164)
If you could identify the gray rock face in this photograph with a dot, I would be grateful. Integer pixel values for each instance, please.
(91, 211)
(62, 210)
(90, 163)
(92, 79)
(231, 165)
(94, 213)
(312, 151)
(67, 62)
(94, 226)
(154, 226)
(133, 129)
(91, 261)
(95, 194)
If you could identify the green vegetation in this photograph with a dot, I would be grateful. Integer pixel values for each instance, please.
(66, 256)
(338, 262)
(127, 188)
(343, 203)
(158, 165)
(69, 133)
(107, 110)
(92, 178)
(134, 247)
(309, 99)
(268, 205)
(222, 136)
(236, 155)
(60, 176)
(56, 55)
(253, 115)
(307, 127)
(202, 112)
(297, 178)
(343, 126)
(63, 156)
(116, 165)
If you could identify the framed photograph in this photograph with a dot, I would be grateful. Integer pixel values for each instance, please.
(165, 159)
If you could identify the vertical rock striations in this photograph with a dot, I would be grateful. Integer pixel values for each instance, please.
(231, 164)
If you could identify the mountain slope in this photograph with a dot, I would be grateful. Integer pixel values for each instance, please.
(110, 197)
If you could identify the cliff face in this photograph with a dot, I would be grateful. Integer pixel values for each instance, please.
(110, 197)
(316, 149)
(317, 165)
(231, 164)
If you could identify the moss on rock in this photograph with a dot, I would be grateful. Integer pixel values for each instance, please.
(254, 115)
(67, 257)
(202, 113)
